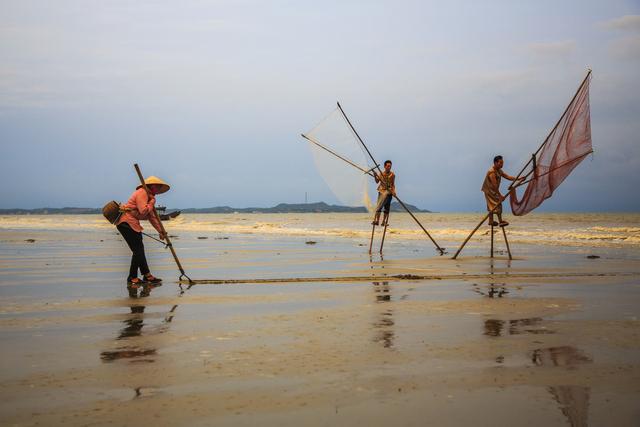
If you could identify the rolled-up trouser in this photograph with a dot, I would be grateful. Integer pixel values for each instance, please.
(494, 201)
(138, 259)
(384, 201)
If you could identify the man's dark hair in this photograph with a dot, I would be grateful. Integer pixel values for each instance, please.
(387, 161)
(497, 158)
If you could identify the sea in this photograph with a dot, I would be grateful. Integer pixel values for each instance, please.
(616, 230)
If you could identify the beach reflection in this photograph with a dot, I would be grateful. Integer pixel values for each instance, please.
(133, 330)
(497, 327)
(383, 325)
(572, 400)
(493, 290)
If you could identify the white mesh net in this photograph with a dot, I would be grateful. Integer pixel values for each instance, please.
(348, 182)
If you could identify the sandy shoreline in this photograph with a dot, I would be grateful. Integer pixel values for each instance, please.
(550, 338)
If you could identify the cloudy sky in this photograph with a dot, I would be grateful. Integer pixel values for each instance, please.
(212, 96)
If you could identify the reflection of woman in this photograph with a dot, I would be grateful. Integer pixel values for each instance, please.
(133, 328)
(141, 206)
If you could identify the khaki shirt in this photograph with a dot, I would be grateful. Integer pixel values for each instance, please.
(491, 184)
(387, 182)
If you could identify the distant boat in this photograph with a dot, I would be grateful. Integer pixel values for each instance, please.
(166, 216)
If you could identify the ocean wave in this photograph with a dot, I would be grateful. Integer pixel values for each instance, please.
(564, 231)
(616, 229)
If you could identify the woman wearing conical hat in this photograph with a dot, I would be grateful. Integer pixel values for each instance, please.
(141, 206)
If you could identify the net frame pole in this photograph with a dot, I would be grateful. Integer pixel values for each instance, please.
(441, 250)
(366, 172)
(579, 158)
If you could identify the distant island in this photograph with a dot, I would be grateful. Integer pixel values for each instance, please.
(318, 207)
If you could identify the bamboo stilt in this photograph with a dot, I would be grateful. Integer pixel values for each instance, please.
(504, 233)
(373, 229)
(492, 239)
(384, 232)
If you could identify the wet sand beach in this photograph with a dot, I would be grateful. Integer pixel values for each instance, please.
(549, 338)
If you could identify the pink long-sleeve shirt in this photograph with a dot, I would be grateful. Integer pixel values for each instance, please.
(138, 207)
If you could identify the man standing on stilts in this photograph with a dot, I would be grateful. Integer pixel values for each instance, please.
(386, 190)
(491, 190)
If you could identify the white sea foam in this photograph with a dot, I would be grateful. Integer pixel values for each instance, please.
(544, 229)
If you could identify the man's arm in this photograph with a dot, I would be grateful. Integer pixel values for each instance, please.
(509, 177)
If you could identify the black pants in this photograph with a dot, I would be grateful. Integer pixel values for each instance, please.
(138, 259)
(384, 201)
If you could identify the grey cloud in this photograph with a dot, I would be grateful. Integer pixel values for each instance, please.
(559, 49)
(627, 48)
(625, 23)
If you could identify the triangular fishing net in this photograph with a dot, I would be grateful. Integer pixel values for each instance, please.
(342, 162)
(566, 146)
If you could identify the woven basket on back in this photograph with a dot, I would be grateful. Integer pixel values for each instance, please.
(112, 212)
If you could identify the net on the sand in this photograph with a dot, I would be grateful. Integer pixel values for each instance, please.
(566, 146)
(340, 160)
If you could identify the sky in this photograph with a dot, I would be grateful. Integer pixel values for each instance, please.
(212, 97)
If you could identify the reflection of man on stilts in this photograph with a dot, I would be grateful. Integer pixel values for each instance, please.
(386, 190)
(491, 190)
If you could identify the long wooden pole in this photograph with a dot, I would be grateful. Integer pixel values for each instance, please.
(502, 199)
(353, 129)
(308, 138)
(155, 213)
(472, 233)
(556, 168)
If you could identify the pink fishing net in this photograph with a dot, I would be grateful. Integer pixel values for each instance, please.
(567, 145)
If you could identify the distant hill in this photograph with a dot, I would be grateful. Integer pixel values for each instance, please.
(318, 207)
(51, 211)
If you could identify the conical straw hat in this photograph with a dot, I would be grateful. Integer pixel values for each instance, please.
(155, 180)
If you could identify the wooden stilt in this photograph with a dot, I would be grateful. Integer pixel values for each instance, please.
(504, 233)
(384, 232)
(492, 239)
(373, 229)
